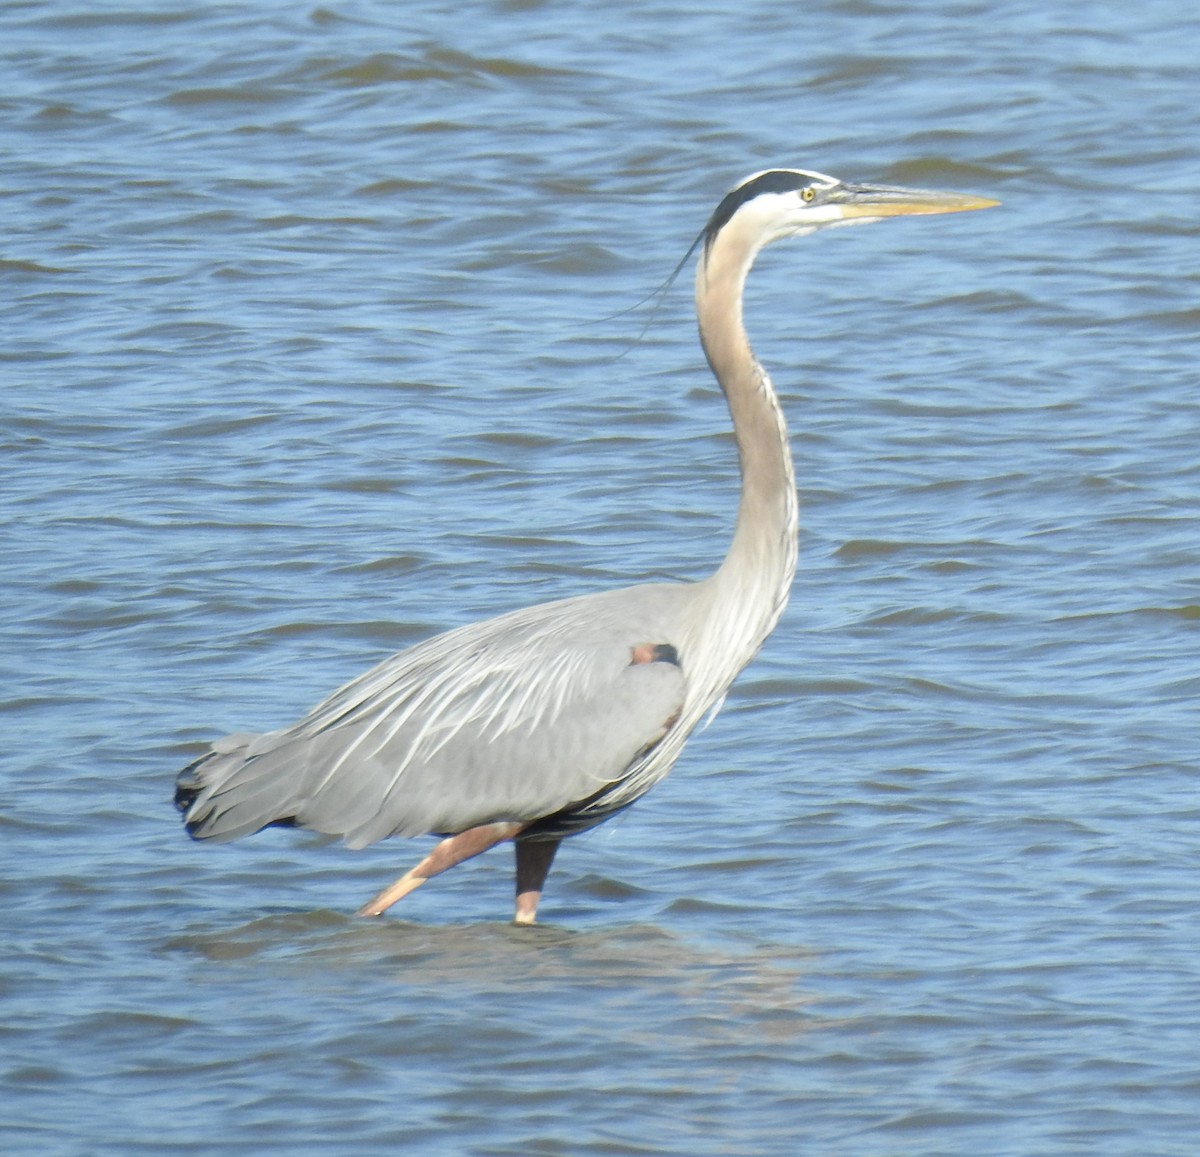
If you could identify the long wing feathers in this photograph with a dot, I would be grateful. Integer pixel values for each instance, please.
(515, 718)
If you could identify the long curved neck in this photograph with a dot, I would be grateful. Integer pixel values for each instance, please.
(751, 587)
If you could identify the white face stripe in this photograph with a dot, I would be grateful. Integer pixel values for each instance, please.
(770, 205)
(766, 188)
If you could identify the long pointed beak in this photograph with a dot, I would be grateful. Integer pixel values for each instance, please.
(891, 201)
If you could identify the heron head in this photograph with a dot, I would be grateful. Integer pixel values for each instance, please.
(782, 203)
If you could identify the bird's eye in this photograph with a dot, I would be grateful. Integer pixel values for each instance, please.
(808, 194)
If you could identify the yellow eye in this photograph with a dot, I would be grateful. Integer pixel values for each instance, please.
(808, 194)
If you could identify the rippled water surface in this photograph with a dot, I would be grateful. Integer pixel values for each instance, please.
(310, 350)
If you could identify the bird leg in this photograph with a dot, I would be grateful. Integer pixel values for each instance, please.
(534, 858)
(452, 850)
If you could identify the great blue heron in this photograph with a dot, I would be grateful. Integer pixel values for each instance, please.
(545, 722)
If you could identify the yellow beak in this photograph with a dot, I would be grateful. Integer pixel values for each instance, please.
(891, 201)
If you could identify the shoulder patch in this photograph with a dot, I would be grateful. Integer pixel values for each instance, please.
(654, 653)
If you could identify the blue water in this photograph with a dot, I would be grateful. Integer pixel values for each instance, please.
(313, 345)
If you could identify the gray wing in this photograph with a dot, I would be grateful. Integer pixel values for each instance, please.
(516, 718)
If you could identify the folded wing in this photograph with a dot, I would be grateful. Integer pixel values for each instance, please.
(517, 718)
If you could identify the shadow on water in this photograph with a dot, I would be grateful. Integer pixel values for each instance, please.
(478, 959)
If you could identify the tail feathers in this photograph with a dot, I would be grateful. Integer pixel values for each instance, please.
(187, 785)
(222, 794)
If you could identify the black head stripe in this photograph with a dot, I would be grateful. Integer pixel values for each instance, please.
(773, 181)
